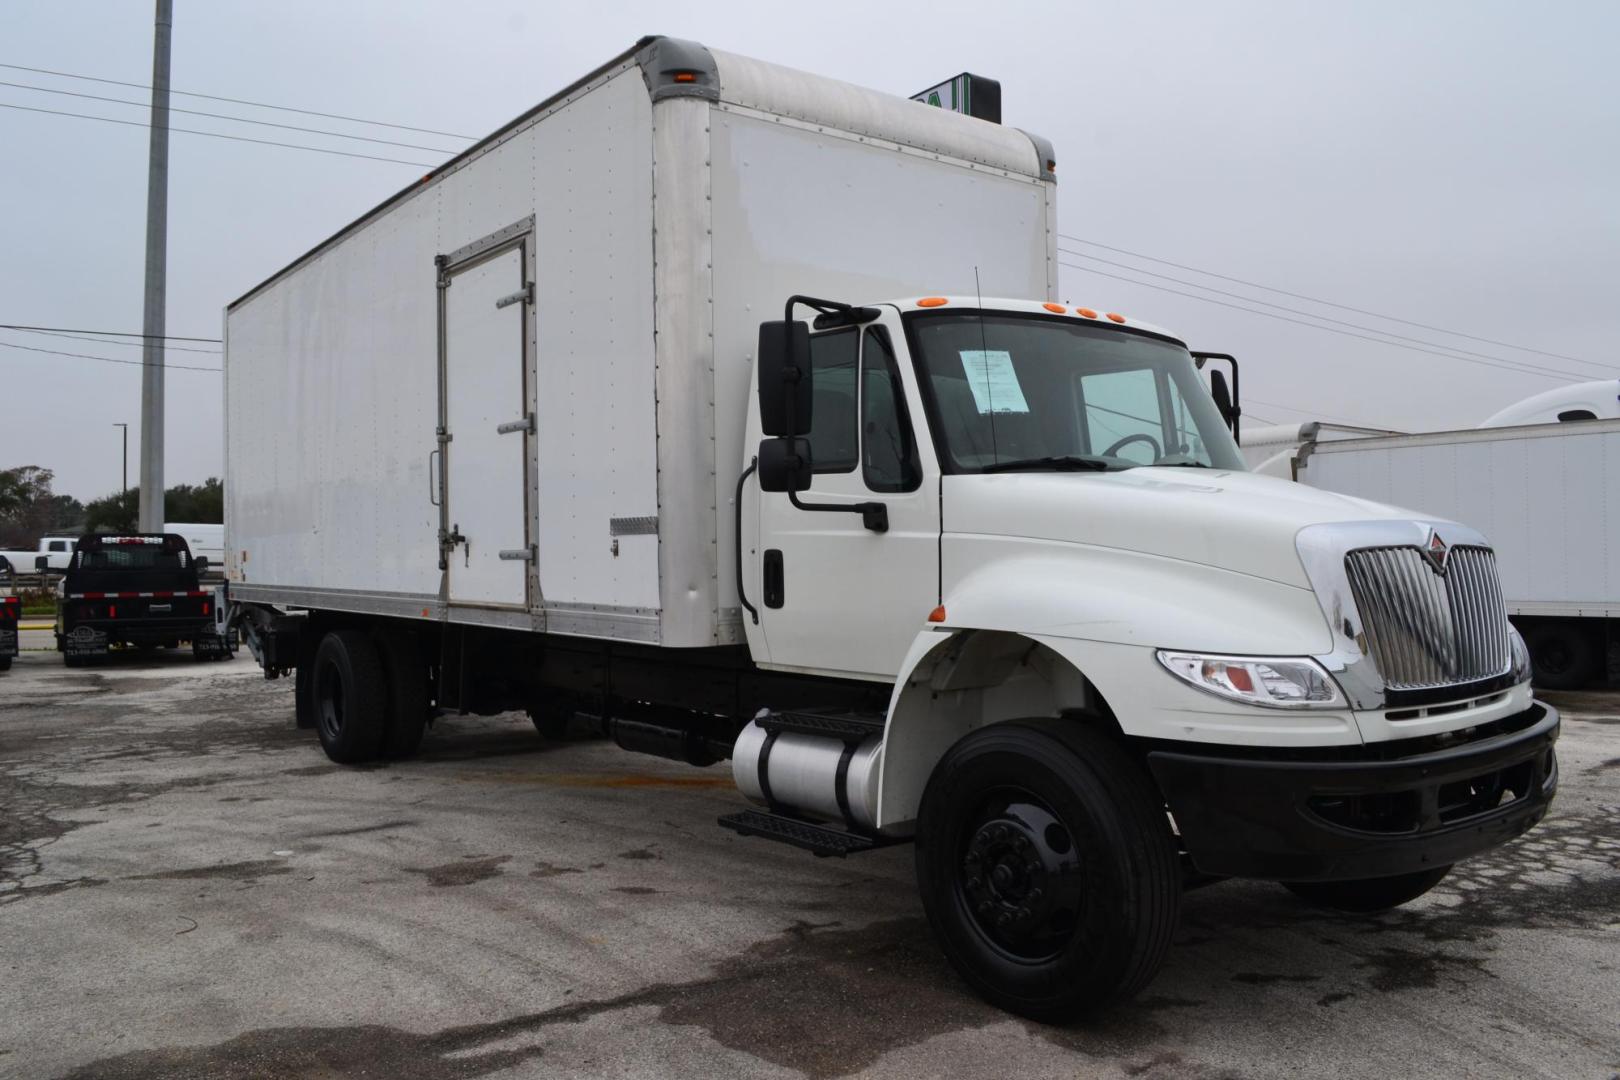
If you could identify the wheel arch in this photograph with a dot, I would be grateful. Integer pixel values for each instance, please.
(953, 683)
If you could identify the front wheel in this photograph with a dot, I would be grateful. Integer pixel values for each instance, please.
(1367, 895)
(1047, 867)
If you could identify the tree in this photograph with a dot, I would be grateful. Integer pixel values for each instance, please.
(115, 513)
(29, 509)
(201, 503)
(192, 503)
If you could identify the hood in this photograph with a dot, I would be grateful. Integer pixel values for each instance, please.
(1231, 520)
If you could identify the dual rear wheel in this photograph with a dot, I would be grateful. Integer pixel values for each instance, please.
(366, 694)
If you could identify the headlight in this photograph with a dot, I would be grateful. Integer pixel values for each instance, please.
(1521, 656)
(1257, 680)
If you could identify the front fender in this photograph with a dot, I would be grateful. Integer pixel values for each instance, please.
(1042, 633)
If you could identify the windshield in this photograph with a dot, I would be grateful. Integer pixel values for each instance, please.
(1020, 392)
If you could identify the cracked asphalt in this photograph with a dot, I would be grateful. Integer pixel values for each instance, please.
(188, 888)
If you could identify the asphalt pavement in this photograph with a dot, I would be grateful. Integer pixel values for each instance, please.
(188, 888)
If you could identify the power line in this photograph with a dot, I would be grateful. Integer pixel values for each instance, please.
(103, 333)
(240, 101)
(1320, 318)
(1306, 412)
(1540, 373)
(126, 344)
(105, 359)
(217, 135)
(226, 116)
(1329, 303)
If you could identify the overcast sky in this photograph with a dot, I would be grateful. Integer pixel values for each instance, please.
(1453, 164)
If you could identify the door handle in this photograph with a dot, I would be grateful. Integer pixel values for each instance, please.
(433, 484)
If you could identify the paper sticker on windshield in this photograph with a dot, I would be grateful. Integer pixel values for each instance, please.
(994, 383)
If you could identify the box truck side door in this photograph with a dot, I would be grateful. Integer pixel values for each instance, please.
(487, 427)
(835, 596)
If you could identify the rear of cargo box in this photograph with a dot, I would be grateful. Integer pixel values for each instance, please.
(579, 460)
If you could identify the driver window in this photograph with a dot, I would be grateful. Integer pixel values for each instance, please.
(1122, 415)
(888, 452)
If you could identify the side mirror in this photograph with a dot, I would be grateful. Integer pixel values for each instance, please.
(42, 563)
(1223, 396)
(784, 465)
(784, 381)
(201, 563)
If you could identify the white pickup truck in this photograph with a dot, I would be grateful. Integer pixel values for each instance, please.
(57, 551)
(691, 402)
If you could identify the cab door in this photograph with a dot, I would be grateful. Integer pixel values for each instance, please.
(833, 595)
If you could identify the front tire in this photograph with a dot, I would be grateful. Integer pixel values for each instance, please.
(350, 695)
(1367, 896)
(1047, 867)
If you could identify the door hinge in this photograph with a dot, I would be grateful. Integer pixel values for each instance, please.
(525, 424)
(519, 554)
(524, 295)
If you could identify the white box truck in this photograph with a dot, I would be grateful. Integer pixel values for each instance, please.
(686, 402)
(1545, 495)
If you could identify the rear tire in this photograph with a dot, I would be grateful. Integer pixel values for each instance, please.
(5, 663)
(1367, 895)
(1047, 868)
(407, 693)
(350, 695)
(1563, 655)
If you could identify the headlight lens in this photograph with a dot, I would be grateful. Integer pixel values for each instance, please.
(1521, 656)
(1267, 681)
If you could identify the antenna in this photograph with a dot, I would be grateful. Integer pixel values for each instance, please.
(984, 361)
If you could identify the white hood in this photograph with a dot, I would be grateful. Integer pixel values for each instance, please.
(1232, 520)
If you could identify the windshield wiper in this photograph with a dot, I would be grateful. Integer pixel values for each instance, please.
(1065, 463)
(1182, 465)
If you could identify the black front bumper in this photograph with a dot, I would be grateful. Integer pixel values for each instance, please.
(1256, 816)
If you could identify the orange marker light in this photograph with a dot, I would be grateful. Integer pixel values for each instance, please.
(1087, 312)
(1116, 318)
(1056, 309)
(932, 301)
(937, 615)
(685, 76)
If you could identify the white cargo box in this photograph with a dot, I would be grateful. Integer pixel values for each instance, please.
(541, 354)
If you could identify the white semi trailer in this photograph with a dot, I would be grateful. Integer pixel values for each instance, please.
(687, 401)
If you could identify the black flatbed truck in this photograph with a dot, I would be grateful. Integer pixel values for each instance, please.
(138, 589)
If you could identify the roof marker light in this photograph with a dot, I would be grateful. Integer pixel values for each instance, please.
(937, 615)
(1056, 309)
(1087, 312)
(932, 301)
(1116, 318)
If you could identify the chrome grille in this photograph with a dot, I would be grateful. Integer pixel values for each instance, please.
(1425, 629)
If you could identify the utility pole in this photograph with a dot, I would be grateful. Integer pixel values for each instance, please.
(157, 245)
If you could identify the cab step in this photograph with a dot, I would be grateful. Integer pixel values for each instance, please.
(851, 727)
(819, 840)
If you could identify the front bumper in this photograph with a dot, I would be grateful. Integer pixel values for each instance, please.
(1247, 814)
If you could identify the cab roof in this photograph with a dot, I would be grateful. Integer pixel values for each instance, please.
(1049, 308)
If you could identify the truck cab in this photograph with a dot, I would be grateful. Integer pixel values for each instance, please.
(139, 590)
